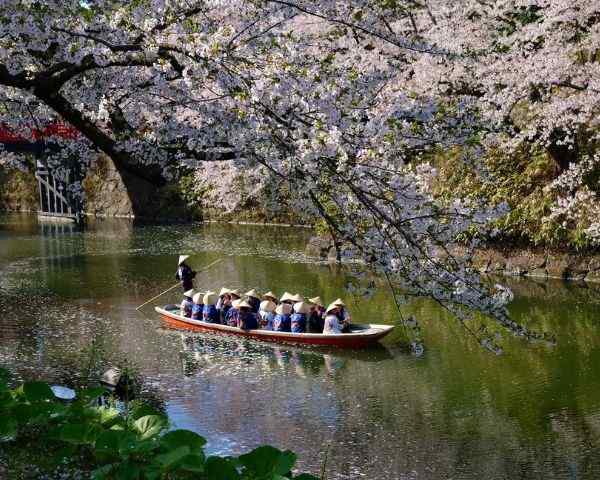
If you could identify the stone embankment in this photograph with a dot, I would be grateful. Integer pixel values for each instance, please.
(515, 263)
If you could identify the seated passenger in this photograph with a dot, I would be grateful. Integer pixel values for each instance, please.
(188, 303)
(333, 325)
(210, 313)
(343, 313)
(223, 304)
(232, 315)
(298, 318)
(270, 296)
(266, 315)
(198, 306)
(253, 300)
(282, 322)
(316, 317)
(287, 298)
(246, 317)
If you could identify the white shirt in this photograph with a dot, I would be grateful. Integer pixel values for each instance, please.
(332, 325)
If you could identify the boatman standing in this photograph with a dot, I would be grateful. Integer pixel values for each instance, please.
(185, 273)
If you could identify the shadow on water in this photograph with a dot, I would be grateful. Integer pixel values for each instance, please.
(455, 412)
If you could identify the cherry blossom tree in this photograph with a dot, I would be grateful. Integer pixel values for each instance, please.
(339, 99)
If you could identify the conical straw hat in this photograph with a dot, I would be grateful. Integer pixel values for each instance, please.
(252, 293)
(297, 298)
(267, 306)
(339, 302)
(224, 291)
(283, 309)
(270, 295)
(285, 296)
(331, 307)
(189, 293)
(210, 298)
(235, 303)
(316, 301)
(302, 307)
(197, 298)
(243, 304)
(182, 258)
(235, 292)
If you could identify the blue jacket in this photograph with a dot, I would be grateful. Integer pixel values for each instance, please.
(268, 317)
(223, 309)
(282, 323)
(247, 321)
(231, 317)
(197, 311)
(211, 314)
(298, 321)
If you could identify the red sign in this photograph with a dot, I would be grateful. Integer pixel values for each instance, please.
(54, 129)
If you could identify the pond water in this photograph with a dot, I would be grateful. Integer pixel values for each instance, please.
(68, 299)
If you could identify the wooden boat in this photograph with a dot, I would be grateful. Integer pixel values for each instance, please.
(360, 336)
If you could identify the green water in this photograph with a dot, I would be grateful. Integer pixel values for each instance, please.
(455, 412)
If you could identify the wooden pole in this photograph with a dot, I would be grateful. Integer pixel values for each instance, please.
(177, 285)
(159, 295)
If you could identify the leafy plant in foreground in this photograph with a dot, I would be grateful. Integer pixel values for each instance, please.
(133, 445)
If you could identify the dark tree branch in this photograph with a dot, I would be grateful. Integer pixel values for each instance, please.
(356, 27)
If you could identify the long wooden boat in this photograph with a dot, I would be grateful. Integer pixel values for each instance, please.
(360, 336)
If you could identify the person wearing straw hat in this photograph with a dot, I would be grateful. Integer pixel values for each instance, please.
(210, 313)
(266, 314)
(282, 322)
(333, 324)
(254, 300)
(232, 315)
(198, 306)
(223, 303)
(270, 296)
(343, 314)
(246, 317)
(188, 303)
(185, 273)
(298, 318)
(316, 317)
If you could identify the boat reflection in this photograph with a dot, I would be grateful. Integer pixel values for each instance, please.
(214, 354)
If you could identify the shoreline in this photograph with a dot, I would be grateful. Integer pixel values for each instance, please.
(509, 262)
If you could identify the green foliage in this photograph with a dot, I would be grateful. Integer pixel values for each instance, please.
(134, 445)
(519, 180)
(18, 190)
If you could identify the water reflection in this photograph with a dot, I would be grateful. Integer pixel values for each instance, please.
(213, 349)
(455, 412)
(207, 354)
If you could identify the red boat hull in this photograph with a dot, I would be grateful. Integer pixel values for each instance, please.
(361, 337)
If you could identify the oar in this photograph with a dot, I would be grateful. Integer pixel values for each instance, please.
(177, 285)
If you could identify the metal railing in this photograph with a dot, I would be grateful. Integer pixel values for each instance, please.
(54, 197)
